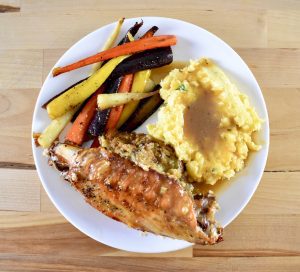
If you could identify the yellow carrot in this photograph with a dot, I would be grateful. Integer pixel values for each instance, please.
(109, 43)
(130, 37)
(76, 95)
(138, 86)
(107, 101)
(52, 131)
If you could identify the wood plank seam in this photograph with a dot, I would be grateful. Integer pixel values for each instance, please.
(236, 253)
(25, 166)
(281, 171)
(7, 9)
(16, 165)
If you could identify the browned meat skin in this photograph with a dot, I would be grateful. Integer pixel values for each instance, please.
(145, 200)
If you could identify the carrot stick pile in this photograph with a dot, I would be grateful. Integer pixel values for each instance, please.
(116, 112)
(77, 132)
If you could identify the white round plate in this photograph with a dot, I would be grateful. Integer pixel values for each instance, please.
(193, 43)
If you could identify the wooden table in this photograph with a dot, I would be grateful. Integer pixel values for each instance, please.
(34, 236)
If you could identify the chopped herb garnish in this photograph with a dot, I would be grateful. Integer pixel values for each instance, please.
(181, 87)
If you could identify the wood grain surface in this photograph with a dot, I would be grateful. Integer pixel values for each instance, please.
(34, 236)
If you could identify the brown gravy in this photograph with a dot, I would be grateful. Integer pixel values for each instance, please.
(201, 122)
(158, 74)
(217, 188)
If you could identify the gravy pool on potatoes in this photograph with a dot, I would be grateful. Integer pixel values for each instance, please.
(208, 121)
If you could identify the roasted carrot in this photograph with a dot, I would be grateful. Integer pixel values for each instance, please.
(150, 32)
(79, 93)
(116, 112)
(125, 86)
(124, 49)
(52, 131)
(109, 42)
(44, 106)
(95, 143)
(77, 132)
(133, 30)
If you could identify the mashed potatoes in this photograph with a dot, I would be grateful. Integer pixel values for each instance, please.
(207, 120)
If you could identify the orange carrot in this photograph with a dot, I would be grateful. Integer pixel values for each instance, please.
(115, 113)
(124, 49)
(77, 132)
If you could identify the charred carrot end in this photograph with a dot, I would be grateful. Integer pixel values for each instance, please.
(124, 49)
(116, 112)
(150, 32)
(56, 71)
(77, 132)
